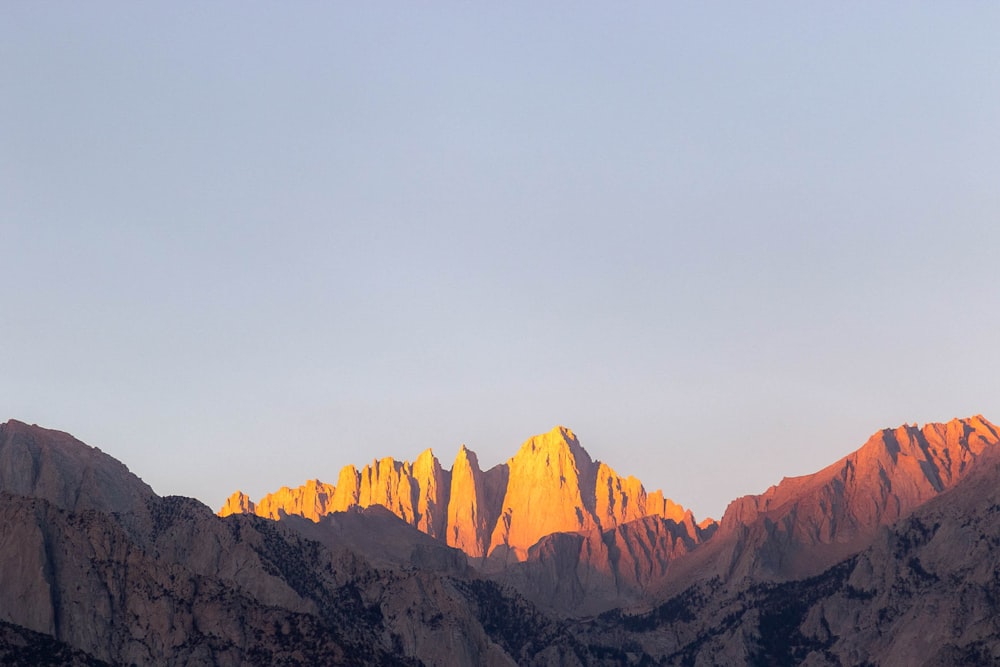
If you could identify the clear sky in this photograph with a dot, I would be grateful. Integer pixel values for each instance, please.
(245, 244)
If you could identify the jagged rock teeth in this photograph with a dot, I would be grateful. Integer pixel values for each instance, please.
(550, 485)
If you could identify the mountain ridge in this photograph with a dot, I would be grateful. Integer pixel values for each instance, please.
(805, 524)
(887, 556)
(494, 515)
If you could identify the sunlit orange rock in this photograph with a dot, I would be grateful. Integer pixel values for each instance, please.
(417, 493)
(238, 503)
(431, 486)
(545, 493)
(348, 490)
(618, 499)
(311, 500)
(386, 482)
(468, 523)
(550, 485)
(622, 499)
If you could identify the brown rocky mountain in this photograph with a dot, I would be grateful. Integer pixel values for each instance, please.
(887, 557)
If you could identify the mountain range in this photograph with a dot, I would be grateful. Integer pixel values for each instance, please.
(887, 556)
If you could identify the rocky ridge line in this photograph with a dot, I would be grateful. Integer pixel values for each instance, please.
(551, 485)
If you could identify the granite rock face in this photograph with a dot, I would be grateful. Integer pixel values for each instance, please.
(473, 507)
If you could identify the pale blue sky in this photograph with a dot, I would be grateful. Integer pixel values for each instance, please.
(245, 244)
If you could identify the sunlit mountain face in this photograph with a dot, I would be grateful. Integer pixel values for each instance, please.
(887, 556)
(551, 485)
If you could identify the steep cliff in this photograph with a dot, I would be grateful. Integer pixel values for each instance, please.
(471, 514)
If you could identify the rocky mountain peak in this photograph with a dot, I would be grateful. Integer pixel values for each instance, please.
(468, 524)
(556, 447)
(550, 490)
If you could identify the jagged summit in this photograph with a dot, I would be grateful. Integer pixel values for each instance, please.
(558, 442)
(550, 485)
(238, 503)
(550, 490)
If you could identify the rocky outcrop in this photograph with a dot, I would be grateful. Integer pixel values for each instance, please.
(416, 492)
(470, 520)
(92, 558)
(432, 486)
(347, 493)
(620, 500)
(569, 532)
(565, 530)
(895, 471)
(238, 503)
(312, 500)
(926, 591)
(383, 539)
